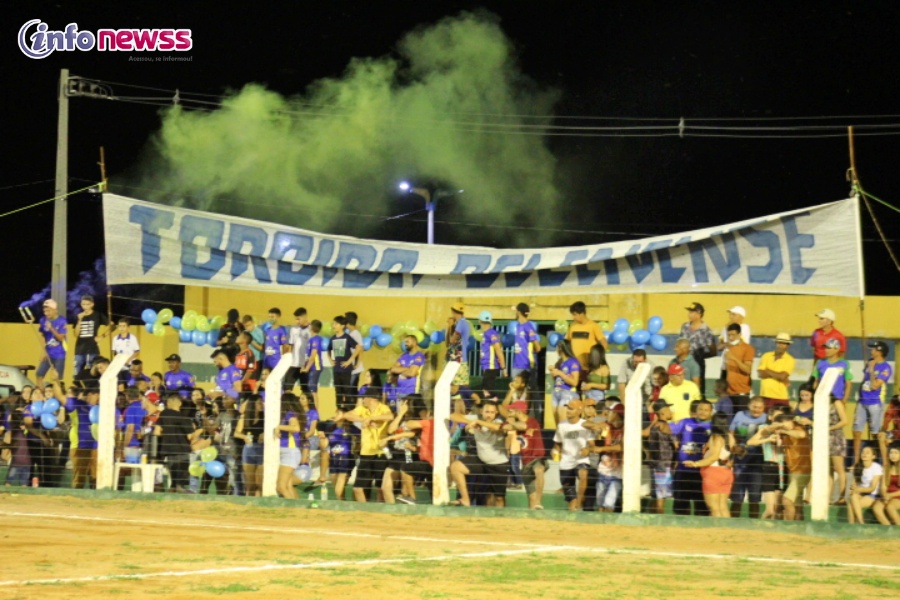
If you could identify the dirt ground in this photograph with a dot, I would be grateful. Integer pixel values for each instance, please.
(83, 548)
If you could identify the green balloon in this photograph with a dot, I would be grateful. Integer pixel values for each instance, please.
(429, 327)
(419, 336)
(327, 330)
(189, 322)
(203, 324)
(197, 469)
(478, 335)
(165, 315)
(561, 327)
(364, 329)
(208, 454)
(543, 340)
(159, 329)
(635, 325)
(217, 321)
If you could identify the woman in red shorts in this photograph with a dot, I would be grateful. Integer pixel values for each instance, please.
(715, 467)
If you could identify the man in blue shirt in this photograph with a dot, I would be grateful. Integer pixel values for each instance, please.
(748, 463)
(229, 378)
(276, 340)
(493, 361)
(54, 329)
(692, 433)
(408, 368)
(872, 395)
(177, 380)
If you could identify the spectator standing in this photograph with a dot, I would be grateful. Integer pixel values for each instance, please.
(359, 367)
(245, 361)
(458, 334)
(774, 372)
(250, 428)
(176, 379)
(662, 446)
(289, 433)
(679, 393)
(703, 340)
(797, 448)
(493, 360)
(692, 434)
(84, 446)
(125, 342)
(638, 356)
(408, 368)
(890, 480)
(490, 460)
(687, 361)
(176, 432)
(609, 468)
(373, 417)
(230, 330)
(533, 455)
(823, 334)
(844, 385)
(748, 460)
(566, 375)
(257, 337)
(298, 338)
(229, 379)
(872, 395)
(314, 361)
(584, 334)
(736, 314)
(344, 351)
(276, 339)
(738, 362)
(133, 419)
(572, 443)
(715, 468)
(527, 346)
(54, 329)
(90, 328)
(598, 380)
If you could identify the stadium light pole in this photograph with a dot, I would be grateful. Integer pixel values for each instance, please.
(59, 265)
(431, 197)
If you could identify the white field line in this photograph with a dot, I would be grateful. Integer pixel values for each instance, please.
(524, 547)
(271, 567)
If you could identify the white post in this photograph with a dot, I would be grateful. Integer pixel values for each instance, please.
(439, 486)
(272, 419)
(106, 428)
(632, 443)
(821, 461)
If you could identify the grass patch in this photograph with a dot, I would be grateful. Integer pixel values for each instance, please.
(232, 588)
(880, 582)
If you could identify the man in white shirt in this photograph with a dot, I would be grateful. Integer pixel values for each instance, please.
(298, 338)
(572, 444)
(359, 367)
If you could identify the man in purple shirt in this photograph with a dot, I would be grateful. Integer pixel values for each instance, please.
(54, 329)
(177, 380)
(276, 340)
(692, 433)
(408, 368)
(493, 361)
(458, 334)
(229, 378)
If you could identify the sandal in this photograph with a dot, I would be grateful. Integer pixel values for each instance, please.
(458, 503)
(840, 502)
(537, 507)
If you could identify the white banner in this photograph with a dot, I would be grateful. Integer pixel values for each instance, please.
(809, 251)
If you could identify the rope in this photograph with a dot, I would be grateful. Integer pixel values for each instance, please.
(865, 197)
(84, 189)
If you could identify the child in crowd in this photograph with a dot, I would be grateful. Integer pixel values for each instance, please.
(662, 445)
(609, 468)
(867, 492)
(889, 503)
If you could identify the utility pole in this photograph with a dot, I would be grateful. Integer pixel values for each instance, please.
(60, 208)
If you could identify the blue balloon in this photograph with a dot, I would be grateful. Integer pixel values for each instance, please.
(634, 346)
(367, 343)
(607, 335)
(658, 342)
(185, 336)
(94, 415)
(640, 337)
(509, 340)
(149, 316)
(214, 468)
(375, 331)
(512, 327)
(424, 343)
(149, 327)
(212, 337)
(437, 337)
(198, 337)
(303, 472)
(553, 339)
(620, 336)
(621, 325)
(654, 325)
(175, 322)
(37, 407)
(384, 339)
(51, 405)
(326, 342)
(48, 421)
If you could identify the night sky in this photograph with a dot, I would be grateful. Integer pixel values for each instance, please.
(752, 65)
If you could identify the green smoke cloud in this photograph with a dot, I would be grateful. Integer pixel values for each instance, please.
(452, 106)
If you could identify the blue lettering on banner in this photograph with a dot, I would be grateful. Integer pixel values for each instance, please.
(795, 242)
(514, 280)
(725, 266)
(769, 272)
(238, 235)
(212, 232)
(301, 248)
(479, 263)
(151, 221)
(586, 275)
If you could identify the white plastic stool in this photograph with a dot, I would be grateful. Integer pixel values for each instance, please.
(147, 479)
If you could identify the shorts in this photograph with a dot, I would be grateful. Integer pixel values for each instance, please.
(598, 395)
(747, 480)
(717, 480)
(310, 443)
(252, 454)
(662, 483)
(771, 402)
(797, 482)
(289, 457)
(608, 491)
(495, 476)
(562, 397)
(773, 478)
(419, 470)
(569, 480)
(18, 476)
(489, 379)
(314, 381)
(528, 474)
(341, 463)
(396, 462)
(369, 471)
(462, 375)
(871, 413)
(837, 443)
(58, 363)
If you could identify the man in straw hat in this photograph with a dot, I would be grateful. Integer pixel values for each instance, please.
(774, 372)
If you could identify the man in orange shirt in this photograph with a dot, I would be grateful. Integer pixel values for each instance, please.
(738, 360)
(583, 334)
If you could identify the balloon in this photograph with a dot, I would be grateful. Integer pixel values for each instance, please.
(216, 322)
(367, 343)
(159, 329)
(188, 322)
(149, 327)
(640, 337)
(197, 469)
(37, 407)
(622, 347)
(208, 454)
(326, 342)
(509, 340)
(420, 337)
(621, 325)
(561, 326)
(553, 339)
(327, 330)
(190, 313)
(411, 326)
(542, 339)
(95, 430)
(635, 325)
(364, 329)
(94, 415)
(512, 327)
(620, 336)
(198, 337)
(398, 328)
(212, 337)
(203, 324)
(437, 337)
(607, 335)
(384, 339)
(478, 335)
(429, 327)
(185, 336)
(654, 325)
(48, 421)
(215, 468)
(604, 325)
(149, 316)
(375, 331)
(51, 405)
(303, 472)
(424, 343)
(175, 322)
(165, 315)
(658, 342)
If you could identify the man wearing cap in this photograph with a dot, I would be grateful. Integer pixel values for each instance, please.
(584, 334)
(229, 379)
(679, 393)
(54, 328)
(662, 445)
(736, 314)
(703, 340)
(738, 363)
(177, 380)
(833, 360)
(372, 417)
(687, 361)
(774, 372)
(572, 443)
(825, 332)
(458, 334)
(493, 360)
(872, 395)
(531, 444)
(88, 332)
